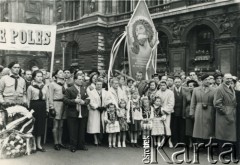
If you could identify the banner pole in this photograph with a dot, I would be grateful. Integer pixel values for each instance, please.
(52, 62)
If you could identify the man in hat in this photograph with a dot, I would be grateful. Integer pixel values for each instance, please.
(202, 110)
(13, 86)
(225, 104)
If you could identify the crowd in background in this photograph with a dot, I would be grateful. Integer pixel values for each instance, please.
(171, 107)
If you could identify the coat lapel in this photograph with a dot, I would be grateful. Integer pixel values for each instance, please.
(227, 90)
(75, 90)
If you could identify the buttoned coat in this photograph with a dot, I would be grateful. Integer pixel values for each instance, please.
(204, 118)
(225, 104)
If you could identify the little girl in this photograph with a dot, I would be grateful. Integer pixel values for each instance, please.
(147, 114)
(158, 129)
(122, 117)
(134, 116)
(112, 126)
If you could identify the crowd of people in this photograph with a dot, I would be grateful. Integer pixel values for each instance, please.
(181, 108)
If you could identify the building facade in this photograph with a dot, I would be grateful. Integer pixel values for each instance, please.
(194, 35)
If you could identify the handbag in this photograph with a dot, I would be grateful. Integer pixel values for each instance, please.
(52, 113)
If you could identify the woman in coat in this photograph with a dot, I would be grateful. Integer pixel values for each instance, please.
(99, 98)
(167, 97)
(93, 78)
(202, 110)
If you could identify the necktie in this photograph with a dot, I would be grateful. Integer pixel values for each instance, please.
(40, 90)
(178, 91)
(79, 108)
(100, 95)
(16, 81)
(63, 88)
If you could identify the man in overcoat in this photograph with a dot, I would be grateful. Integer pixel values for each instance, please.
(202, 110)
(225, 104)
(76, 99)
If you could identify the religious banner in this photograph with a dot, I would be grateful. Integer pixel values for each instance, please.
(142, 41)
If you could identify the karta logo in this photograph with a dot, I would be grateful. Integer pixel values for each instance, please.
(182, 153)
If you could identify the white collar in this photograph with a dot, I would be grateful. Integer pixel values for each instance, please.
(178, 89)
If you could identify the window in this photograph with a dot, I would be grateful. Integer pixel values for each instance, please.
(72, 10)
(201, 48)
(108, 7)
(162, 56)
(124, 6)
(204, 40)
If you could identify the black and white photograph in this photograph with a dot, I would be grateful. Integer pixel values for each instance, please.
(113, 82)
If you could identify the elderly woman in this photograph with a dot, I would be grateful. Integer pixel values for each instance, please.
(99, 98)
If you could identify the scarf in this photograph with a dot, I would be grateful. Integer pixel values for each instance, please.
(63, 88)
(40, 90)
(16, 80)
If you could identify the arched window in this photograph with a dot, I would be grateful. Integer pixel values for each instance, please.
(201, 48)
(72, 52)
(162, 57)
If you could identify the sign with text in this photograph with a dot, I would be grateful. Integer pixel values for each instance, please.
(27, 37)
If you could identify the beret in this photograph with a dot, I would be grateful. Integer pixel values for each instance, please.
(203, 77)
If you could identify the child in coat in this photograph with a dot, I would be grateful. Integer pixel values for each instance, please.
(112, 124)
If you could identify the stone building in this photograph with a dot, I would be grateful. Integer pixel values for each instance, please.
(200, 35)
(27, 11)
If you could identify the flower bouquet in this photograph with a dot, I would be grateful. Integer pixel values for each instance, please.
(16, 136)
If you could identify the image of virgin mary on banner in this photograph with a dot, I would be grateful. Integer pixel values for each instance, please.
(142, 40)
